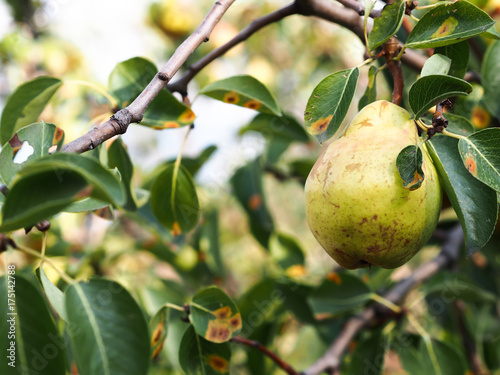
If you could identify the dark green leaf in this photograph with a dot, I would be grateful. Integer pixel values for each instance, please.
(37, 345)
(285, 126)
(491, 79)
(329, 102)
(434, 358)
(286, 251)
(247, 187)
(127, 81)
(118, 158)
(214, 315)
(301, 167)
(25, 104)
(244, 91)
(447, 24)
(276, 147)
(208, 243)
(339, 292)
(37, 196)
(491, 33)
(459, 286)
(158, 327)
(54, 295)
(429, 90)
(370, 94)
(480, 153)
(110, 335)
(409, 164)
(199, 356)
(475, 203)
(39, 136)
(368, 356)
(174, 199)
(459, 125)
(436, 64)
(387, 24)
(193, 165)
(459, 55)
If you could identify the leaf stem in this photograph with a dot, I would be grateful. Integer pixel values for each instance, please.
(414, 18)
(366, 62)
(453, 135)
(49, 261)
(384, 301)
(433, 5)
(175, 307)
(427, 340)
(97, 88)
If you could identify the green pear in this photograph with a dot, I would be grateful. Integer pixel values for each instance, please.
(356, 205)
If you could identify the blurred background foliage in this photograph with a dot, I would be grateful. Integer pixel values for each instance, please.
(290, 58)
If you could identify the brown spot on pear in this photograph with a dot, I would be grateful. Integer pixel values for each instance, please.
(339, 198)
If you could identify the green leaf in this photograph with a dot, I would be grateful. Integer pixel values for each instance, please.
(459, 125)
(158, 327)
(38, 347)
(271, 126)
(286, 251)
(118, 158)
(429, 90)
(491, 33)
(370, 94)
(214, 315)
(475, 203)
(193, 165)
(199, 356)
(25, 104)
(130, 77)
(434, 358)
(459, 55)
(39, 136)
(174, 200)
(409, 164)
(447, 24)
(54, 295)
(491, 79)
(86, 205)
(480, 153)
(436, 64)
(368, 356)
(339, 293)
(247, 187)
(459, 285)
(111, 335)
(329, 102)
(36, 197)
(276, 147)
(48, 185)
(387, 24)
(208, 243)
(244, 91)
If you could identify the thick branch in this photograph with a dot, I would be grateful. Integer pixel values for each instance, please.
(448, 256)
(181, 84)
(119, 122)
(257, 345)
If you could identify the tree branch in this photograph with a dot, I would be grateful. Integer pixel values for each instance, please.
(448, 256)
(257, 345)
(391, 50)
(180, 85)
(359, 8)
(120, 121)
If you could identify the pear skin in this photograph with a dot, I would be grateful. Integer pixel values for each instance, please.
(356, 205)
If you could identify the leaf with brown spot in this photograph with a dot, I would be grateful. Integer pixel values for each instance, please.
(158, 328)
(409, 164)
(329, 102)
(244, 91)
(199, 356)
(214, 315)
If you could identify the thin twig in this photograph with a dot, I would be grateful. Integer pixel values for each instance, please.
(467, 340)
(120, 121)
(448, 256)
(392, 50)
(257, 345)
(180, 85)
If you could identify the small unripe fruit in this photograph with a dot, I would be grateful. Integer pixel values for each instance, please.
(356, 205)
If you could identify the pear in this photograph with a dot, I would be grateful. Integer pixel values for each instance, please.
(356, 205)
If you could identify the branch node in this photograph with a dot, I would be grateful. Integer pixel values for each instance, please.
(163, 77)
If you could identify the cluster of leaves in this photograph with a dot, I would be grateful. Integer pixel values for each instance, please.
(102, 328)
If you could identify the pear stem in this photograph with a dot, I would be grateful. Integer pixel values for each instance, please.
(453, 135)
